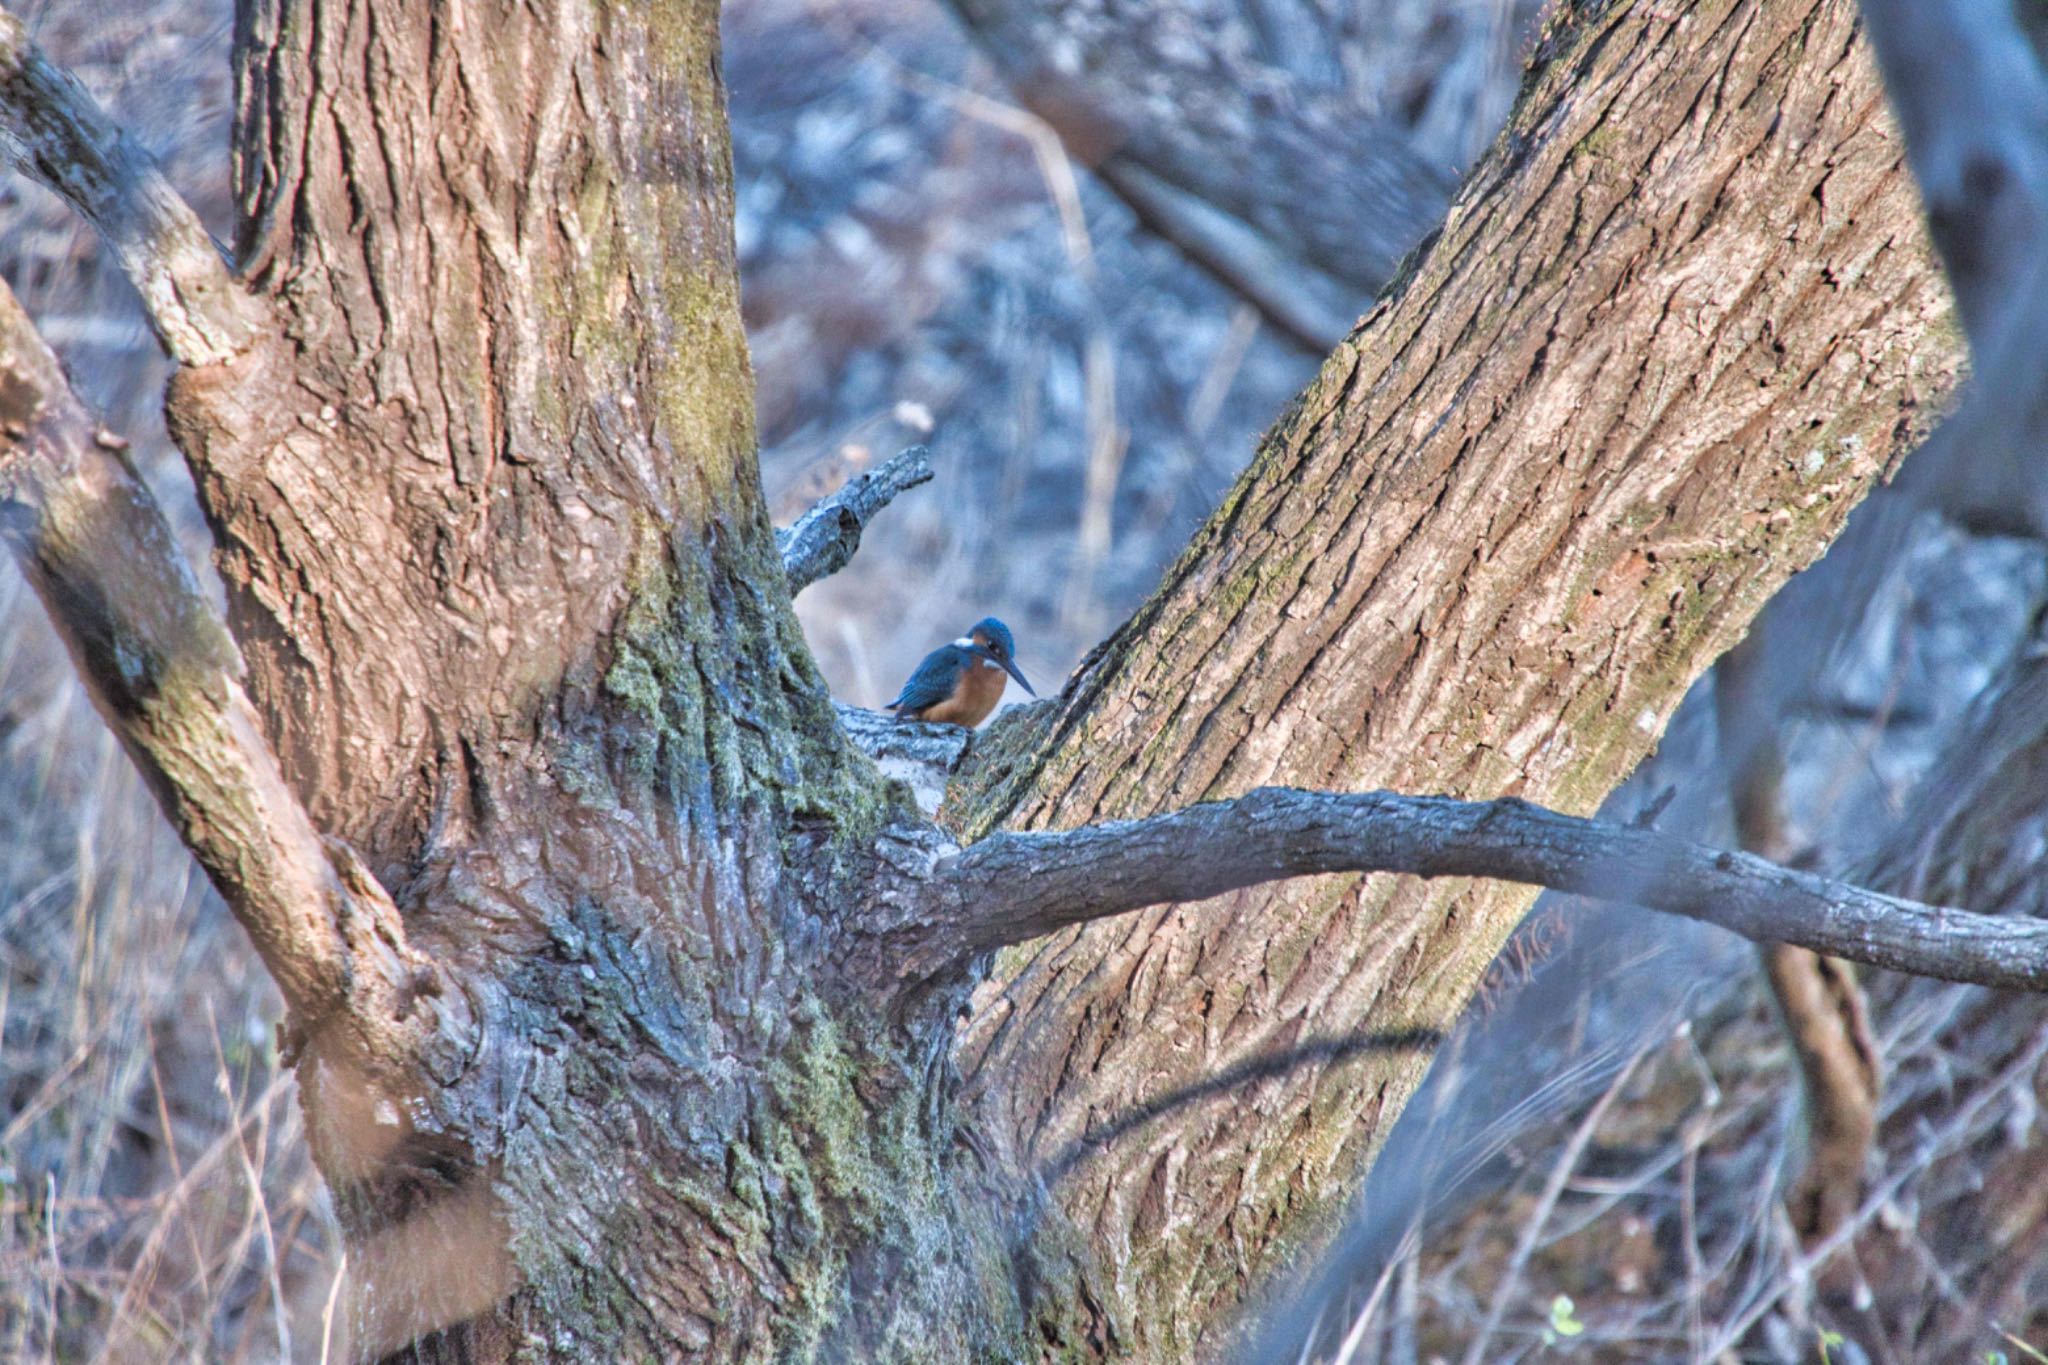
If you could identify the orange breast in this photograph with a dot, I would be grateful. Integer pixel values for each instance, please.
(973, 699)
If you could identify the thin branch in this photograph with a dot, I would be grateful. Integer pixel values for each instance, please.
(57, 134)
(1508, 1289)
(1012, 887)
(822, 541)
(167, 678)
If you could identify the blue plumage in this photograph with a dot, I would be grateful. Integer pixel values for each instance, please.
(961, 683)
(933, 680)
(994, 633)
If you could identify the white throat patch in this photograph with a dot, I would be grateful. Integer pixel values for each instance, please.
(965, 642)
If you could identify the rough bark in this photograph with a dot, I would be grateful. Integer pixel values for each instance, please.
(87, 534)
(1676, 322)
(518, 631)
(515, 623)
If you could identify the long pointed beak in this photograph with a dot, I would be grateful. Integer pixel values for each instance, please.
(985, 652)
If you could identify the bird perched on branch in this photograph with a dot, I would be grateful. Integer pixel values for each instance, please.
(961, 683)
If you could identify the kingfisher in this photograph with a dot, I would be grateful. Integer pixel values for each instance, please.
(961, 683)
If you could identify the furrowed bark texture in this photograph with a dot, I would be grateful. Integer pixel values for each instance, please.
(517, 629)
(1677, 322)
(514, 365)
(488, 515)
(90, 539)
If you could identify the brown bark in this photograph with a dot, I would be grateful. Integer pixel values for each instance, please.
(487, 511)
(517, 629)
(1523, 506)
(86, 531)
(1820, 1002)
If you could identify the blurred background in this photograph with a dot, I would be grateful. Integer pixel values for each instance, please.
(1087, 251)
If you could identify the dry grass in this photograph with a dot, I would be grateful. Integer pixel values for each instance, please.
(918, 255)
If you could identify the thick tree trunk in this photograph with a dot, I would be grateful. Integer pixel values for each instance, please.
(517, 628)
(1678, 320)
(487, 510)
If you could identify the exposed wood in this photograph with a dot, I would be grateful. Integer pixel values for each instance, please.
(922, 756)
(56, 133)
(823, 540)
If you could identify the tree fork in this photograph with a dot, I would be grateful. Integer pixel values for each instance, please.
(496, 554)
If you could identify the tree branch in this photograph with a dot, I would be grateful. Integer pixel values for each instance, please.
(58, 135)
(1012, 887)
(166, 677)
(920, 754)
(1972, 99)
(821, 542)
(1972, 102)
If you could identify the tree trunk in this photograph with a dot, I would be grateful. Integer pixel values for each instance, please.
(1679, 318)
(488, 513)
(640, 1071)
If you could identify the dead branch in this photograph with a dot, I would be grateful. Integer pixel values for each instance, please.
(58, 135)
(166, 677)
(1012, 887)
(821, 542)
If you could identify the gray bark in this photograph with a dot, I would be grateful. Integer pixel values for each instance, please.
(1009, 888)
(824, 538)
(516, 632)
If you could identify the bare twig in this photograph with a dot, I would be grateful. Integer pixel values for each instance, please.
(1012, 887)
(165, 675)
(1948, 1138)
(1510, 1286)
(57, 134)
(822, 541)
